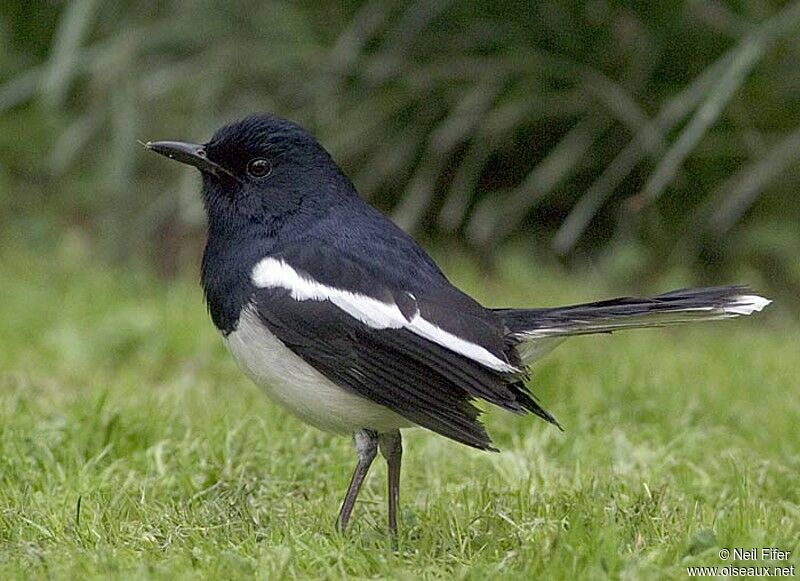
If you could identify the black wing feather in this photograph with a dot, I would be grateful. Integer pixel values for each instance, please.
(361, 359)
(423, 381)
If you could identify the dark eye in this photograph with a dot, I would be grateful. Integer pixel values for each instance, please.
(258, 168)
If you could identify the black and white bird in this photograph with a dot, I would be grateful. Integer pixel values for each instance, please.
(346, 322)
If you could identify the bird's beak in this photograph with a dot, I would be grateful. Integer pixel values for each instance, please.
(188, 153)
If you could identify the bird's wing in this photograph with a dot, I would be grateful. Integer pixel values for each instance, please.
(415, 355)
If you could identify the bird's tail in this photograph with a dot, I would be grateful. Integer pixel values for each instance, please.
(542, 329)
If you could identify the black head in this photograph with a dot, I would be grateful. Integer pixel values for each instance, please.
(261, 170)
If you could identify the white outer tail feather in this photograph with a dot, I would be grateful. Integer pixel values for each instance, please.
(741, 305)
(549, 327)
(746, 305)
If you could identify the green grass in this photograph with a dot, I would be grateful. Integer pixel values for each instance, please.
(131, 447)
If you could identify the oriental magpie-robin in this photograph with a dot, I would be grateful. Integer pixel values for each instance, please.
(345, 321)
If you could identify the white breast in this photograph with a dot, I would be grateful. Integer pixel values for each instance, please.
(298, 387)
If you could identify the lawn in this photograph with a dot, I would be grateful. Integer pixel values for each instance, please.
(132, 447)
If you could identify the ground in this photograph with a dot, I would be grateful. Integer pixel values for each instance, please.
(131, 447)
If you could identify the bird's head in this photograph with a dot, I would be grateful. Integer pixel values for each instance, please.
(260, 169)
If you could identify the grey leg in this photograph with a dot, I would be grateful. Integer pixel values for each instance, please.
(391, 444)
(366, 443)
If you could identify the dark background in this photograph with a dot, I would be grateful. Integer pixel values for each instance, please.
(629, 137)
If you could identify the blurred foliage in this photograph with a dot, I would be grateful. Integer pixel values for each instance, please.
(638, 134)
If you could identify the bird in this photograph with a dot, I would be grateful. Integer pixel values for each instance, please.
(345, 321)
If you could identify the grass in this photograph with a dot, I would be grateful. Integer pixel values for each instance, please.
(131, 447)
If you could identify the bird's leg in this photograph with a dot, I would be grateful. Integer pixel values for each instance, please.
(366, 444)
(391, 444)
